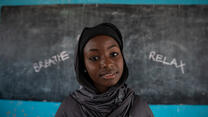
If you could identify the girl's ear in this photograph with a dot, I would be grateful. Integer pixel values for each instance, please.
(85, 71)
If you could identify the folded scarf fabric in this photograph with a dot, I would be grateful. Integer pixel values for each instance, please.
(116, 102)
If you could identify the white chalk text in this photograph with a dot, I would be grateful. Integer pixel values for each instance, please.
(163, 59)
(51, 61)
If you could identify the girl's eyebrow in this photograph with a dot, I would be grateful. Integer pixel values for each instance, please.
(114, 45)
(93, 49)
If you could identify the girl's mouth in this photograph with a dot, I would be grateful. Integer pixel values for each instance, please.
(109, 75)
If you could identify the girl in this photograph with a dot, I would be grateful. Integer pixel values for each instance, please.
(102, 72)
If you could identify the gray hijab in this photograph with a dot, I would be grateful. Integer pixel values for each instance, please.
(117, 100)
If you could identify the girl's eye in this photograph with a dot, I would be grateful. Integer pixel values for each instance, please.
(114, 54)
(94, 58)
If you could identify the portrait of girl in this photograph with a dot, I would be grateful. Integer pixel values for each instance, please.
(101, 71)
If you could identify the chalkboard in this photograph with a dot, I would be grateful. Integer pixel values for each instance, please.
(166, 49)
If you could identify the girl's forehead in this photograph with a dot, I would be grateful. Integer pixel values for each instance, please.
(101, 41)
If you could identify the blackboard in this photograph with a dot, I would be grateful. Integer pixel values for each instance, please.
(166, 49)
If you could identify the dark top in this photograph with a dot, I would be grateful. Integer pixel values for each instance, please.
(117, 101)
(71, 108)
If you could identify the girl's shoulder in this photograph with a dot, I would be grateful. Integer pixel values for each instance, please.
(140, 108)
(69, 108)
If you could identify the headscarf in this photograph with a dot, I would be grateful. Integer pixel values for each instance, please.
(118, 99)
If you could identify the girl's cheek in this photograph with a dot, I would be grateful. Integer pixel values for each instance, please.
(93, 67)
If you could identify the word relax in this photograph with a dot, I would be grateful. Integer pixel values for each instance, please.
(53, 60)
(163, 59)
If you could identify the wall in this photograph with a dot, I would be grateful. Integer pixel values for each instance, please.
(18, 108)
(10, 108)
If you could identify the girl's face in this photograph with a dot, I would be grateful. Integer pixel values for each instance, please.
(103, 61)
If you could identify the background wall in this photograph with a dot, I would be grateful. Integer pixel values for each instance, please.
(167, 44)
(38, 2)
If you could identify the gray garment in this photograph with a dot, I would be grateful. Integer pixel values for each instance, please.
(71, 108)
(118, 101)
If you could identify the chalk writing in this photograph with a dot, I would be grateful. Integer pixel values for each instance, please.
(163, 59)
(51, 61)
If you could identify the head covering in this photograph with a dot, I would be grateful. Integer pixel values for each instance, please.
(88, 33)
(118, 99)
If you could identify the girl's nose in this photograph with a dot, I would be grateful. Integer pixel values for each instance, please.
(106, 63)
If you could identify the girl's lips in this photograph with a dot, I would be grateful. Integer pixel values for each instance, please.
(109, 76)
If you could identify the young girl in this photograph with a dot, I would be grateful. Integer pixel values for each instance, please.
(102, 72)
